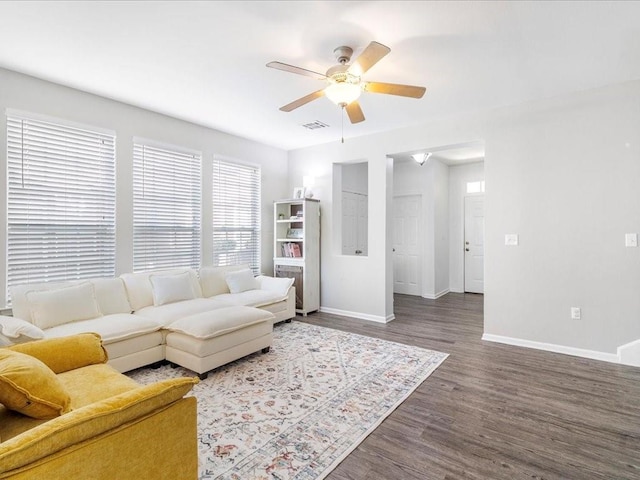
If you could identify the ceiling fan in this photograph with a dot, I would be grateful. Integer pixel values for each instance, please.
(345, 82)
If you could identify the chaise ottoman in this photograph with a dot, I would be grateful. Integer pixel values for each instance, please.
(206, 340)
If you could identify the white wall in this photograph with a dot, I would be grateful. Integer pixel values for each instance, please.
(431, 182)
(29, 94)
(459, 175)
(344, 277)
(441, 228)
(563, 174)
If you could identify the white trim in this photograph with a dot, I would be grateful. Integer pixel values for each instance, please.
(629, 353)
(550, 347)
(24, 115)
(436, 296)
(148, 142)
(361, 316)
(224, 158)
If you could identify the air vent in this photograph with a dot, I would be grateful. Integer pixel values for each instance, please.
(315, 125)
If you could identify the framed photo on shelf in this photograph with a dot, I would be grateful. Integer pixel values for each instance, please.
(294, 233)
(298, 192)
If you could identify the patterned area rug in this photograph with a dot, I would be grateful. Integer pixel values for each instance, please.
(299, 410)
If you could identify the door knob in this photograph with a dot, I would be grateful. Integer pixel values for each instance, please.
(466, 243)
(466, 249)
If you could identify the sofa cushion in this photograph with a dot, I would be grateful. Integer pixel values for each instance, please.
(112, 295)
(15, 330)
(279, 285)
(212, 279)
(66, 353)
(241, 281)
(91, 421)
(111, 328)
(171, 288)
(219, 322)
(62, 305)
(166, 314)
(252, 298)
(30, 387)
(139, 289)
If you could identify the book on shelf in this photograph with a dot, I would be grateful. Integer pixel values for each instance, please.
(291, 250)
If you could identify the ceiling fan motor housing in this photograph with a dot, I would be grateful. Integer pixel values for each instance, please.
(343, 54)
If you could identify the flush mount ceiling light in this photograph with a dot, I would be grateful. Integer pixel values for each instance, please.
(421, 158)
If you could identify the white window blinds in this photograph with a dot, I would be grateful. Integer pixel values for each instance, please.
(166, 208)
(61, 202)
(236, 214)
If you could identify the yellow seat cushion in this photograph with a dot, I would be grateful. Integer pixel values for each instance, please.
(91, 421)
(30, 387)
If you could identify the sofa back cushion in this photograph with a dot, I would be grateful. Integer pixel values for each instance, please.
(53, 307)
(140, 290)
(241, 281)
(109, 292)
(213, 279)
(171, 288)
(112, 295)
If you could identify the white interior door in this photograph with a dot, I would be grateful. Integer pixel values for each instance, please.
(407, 240)
(474, 244)
(354, 223)
(362, 240)
(349, 223)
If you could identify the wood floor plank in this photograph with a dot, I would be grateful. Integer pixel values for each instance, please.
(494, 411)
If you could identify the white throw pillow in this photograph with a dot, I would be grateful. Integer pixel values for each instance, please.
(241, 281)
(171, 288)
(212, 279)
(279, 285)
(50, 308)
(14, 330)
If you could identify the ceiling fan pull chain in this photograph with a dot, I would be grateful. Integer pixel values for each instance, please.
(342, 122)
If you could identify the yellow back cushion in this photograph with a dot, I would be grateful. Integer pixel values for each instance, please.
(30, 387)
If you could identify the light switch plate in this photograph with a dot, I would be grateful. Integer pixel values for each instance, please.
(511, 239)
(631, 239)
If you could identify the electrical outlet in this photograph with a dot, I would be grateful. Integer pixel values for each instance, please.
(511, 239)
(631, 239)
(575, 313)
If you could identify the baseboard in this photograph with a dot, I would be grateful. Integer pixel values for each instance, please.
(435, 296)
(550, 347)
(629, 354)
(361, 316)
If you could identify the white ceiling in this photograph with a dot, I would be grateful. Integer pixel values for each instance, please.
(205, 61)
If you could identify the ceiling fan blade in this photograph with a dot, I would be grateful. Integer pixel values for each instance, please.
(298, 70)
(367, 59)
(302, 101)
(355, 112)
(395, 89)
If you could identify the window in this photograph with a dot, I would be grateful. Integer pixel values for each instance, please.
(236, 214)
(166, 207)
(475, 187)
(61, 201)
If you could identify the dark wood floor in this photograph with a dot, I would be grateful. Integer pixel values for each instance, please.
(494, 411)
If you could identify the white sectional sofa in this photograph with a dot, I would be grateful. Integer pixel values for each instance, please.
(134, 313)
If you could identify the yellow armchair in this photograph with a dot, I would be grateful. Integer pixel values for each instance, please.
(115, 429)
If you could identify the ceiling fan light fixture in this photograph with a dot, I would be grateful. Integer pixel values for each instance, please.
(421, 158)
(343, 93)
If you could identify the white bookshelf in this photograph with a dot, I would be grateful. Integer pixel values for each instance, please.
(296, 249)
